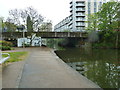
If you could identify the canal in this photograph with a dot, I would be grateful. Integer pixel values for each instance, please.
(102, 66)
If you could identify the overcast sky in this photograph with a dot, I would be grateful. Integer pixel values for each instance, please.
(54, 10)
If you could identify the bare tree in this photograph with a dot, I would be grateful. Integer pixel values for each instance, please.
(9, 20)
(36, 18)
(23, 15)
(46, 26)
(15, 15)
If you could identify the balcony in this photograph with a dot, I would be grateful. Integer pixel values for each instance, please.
(71, 15)
(80, 20)
(80, 24)
(80, 4)
(70, 24)
(80, 14)
(71, 10)
(71, 2)
(71, 6)
(80, 29)
(80, 9)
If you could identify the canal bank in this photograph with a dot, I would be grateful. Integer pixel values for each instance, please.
(43, 69)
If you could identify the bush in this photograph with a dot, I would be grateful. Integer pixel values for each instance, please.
(103, 45)
(5, 45)
(26, 45)
(6, 48)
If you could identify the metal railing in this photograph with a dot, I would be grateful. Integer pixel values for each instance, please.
(2, 60)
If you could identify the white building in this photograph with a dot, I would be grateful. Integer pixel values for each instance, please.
(63, 25)
(79, 9)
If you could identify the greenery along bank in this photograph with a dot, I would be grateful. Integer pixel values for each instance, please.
(106, 23)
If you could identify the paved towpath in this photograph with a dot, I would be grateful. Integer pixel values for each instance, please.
(43, 69)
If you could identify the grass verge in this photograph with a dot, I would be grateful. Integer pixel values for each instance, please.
(16, 56)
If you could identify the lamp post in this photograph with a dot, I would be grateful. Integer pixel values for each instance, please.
(1, 36)
(23, 38)
(23, 28)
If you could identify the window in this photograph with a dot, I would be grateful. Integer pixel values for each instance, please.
(95, 7)
(89, 8)
(100, 4)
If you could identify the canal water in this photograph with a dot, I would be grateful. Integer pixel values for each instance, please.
(102, 66)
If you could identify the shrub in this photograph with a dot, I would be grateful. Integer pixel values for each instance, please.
(5, 45)
(26, 45)
(6, 48)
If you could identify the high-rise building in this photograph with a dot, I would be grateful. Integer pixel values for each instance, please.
(79, 11)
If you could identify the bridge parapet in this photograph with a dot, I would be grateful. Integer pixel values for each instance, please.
(45, 34)
(61, 34)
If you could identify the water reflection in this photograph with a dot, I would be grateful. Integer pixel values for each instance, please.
(100, 66)
(53, 43)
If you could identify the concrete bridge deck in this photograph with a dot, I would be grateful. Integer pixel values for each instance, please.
(43, 69)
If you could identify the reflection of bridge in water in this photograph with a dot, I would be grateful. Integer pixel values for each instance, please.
(16, 35)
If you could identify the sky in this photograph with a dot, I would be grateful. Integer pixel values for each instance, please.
(55, 10)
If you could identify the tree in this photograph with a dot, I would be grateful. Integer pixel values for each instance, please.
(117, 16)
(92, 22)
(23, 15)
(106, 16)
(29, 24)
(46, 26)
(10, 27)
(15, 16)
(1, 27)
(107, 20)
(36, 18)
(30, 28)
(1, 24)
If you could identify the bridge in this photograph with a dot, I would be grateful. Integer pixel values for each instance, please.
(16, 35)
